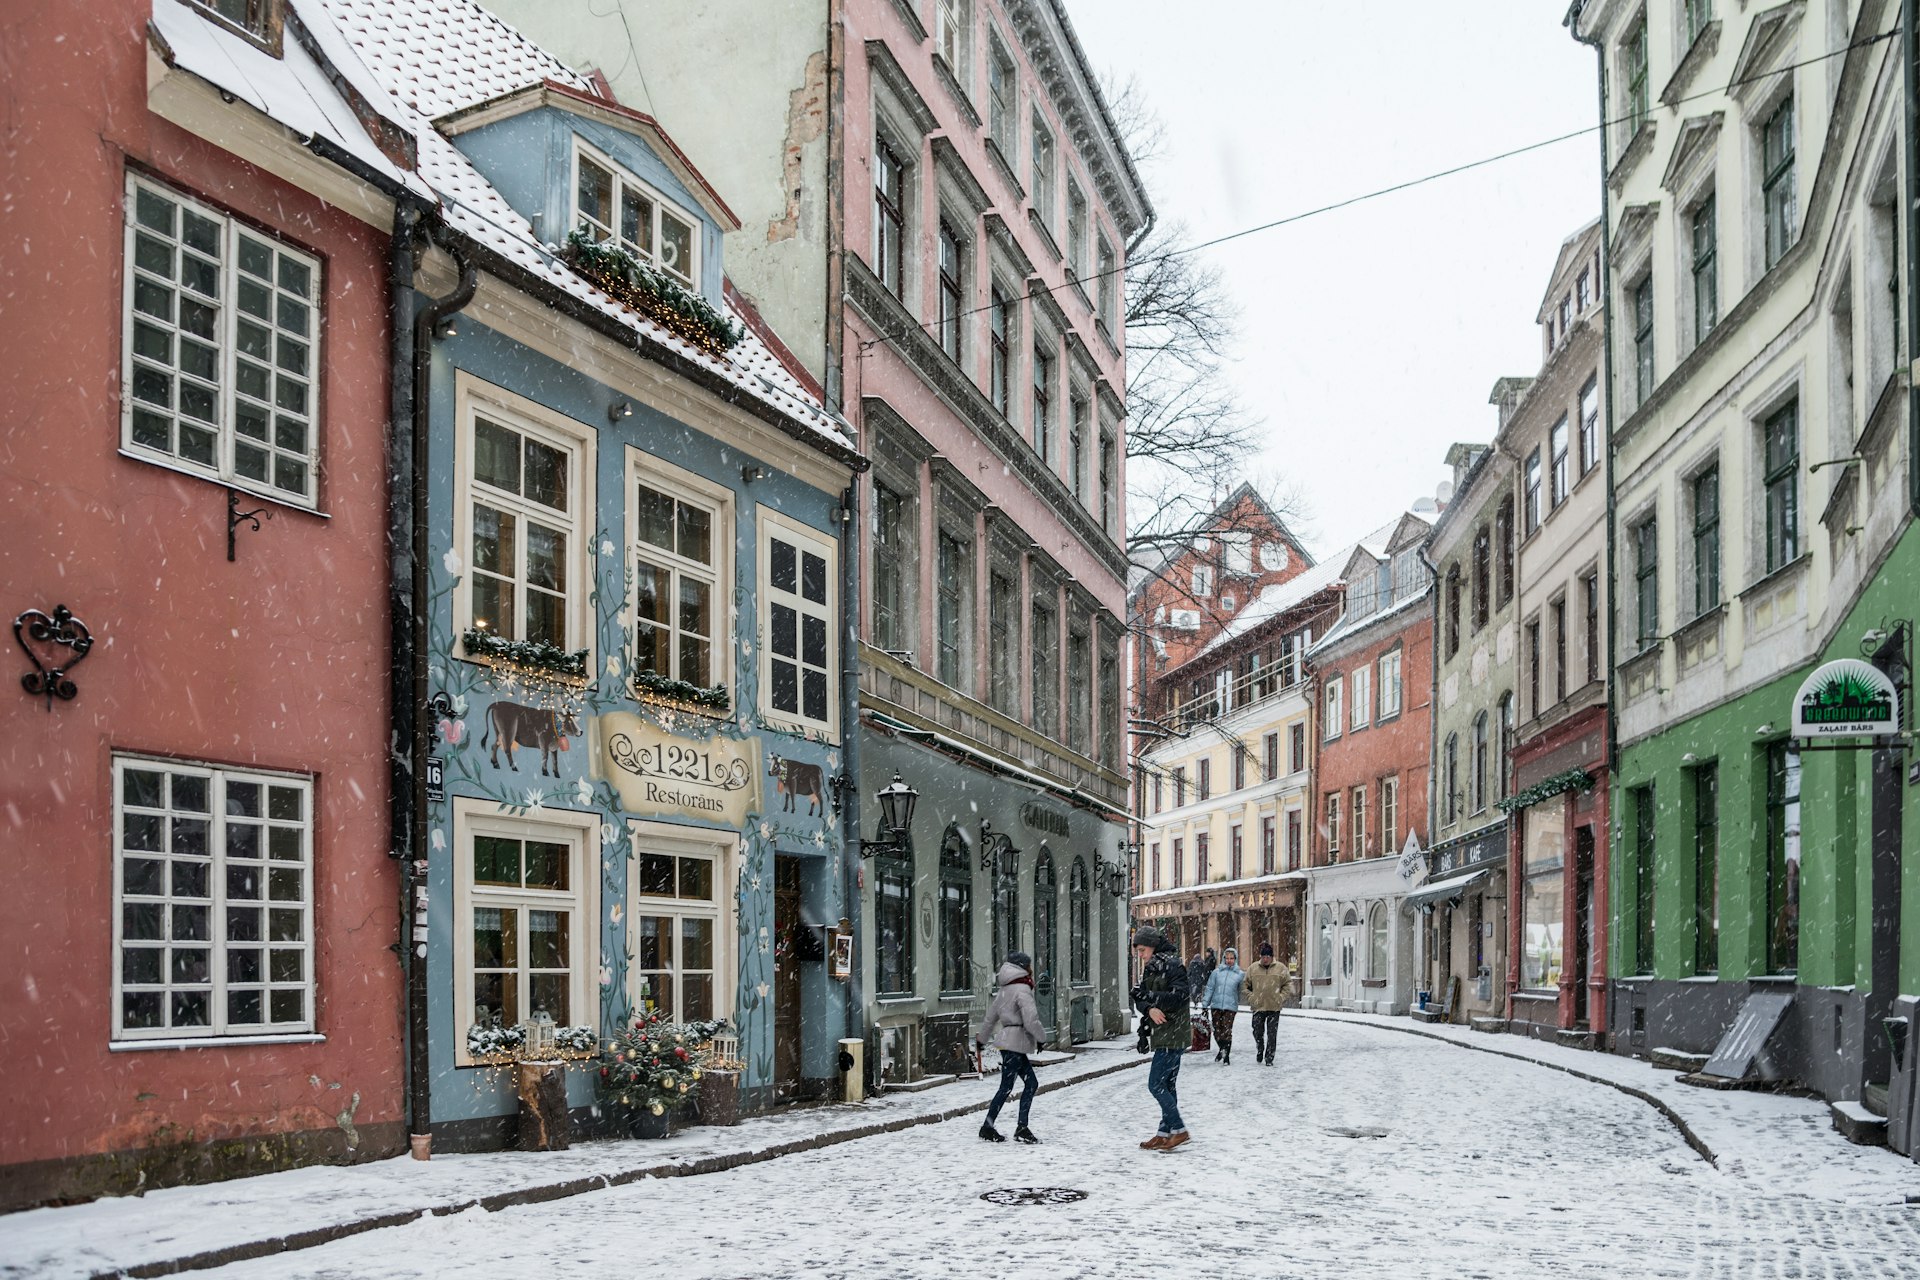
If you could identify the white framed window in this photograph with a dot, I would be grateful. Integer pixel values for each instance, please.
(1043, 189)
(799, 644)
(679, 527)
(213, 880)
(221, 347)
(1390, 684)
(680, 932)
(1389, 814)
(953, 36)
(1360, 849)
(1362, 699)
(1332, 706)
(526, 926)
(609, 203)
(520, 517)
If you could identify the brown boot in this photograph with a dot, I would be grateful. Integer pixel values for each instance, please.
(1173, 1140)
(1154, 1143)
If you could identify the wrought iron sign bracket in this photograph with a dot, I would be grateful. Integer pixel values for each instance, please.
(236, 517)
(42, 637)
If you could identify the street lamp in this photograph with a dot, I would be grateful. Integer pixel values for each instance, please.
(897, 800)
(995, 847)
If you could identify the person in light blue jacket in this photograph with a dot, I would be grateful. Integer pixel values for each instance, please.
(1222, 1002)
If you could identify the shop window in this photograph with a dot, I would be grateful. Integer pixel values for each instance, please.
(1079, 924)
(1542, 908)
(611, 204)
(956, 913)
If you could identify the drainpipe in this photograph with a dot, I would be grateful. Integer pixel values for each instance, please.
(1910, 57)
(407, 550)
(850, 736)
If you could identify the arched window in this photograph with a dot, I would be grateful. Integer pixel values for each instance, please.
(1323, 927)
(1377, 941)
(1006, 902)
(1480, 763)
(1079, 924)
(956, 912)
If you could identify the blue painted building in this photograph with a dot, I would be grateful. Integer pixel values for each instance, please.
(634, 507)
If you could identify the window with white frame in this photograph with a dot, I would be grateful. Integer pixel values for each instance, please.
(1076, 230)
(1589, 426)
(222, 347)
(797, 595)
(1043, 160)
(953, 295)
(213, 877)
(889, 217)
(1390, 684)
(679, 526)
(951, 35)
(1560, 472)
(521, 518)
(525, 933)
(1003, 96)
(1331, 707)
(1360, 849)
(611, 204)
(1778, 194)
(1389, 814)
(680, 934)
(1362, 699)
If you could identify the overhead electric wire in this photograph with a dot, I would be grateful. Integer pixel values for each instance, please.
(1184, 250)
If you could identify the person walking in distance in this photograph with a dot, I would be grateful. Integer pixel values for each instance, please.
(1013, 1024)
(1161, 997)
(1269, 983)
(1222, 1001)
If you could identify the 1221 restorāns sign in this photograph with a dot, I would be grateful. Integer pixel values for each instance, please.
(655, 771)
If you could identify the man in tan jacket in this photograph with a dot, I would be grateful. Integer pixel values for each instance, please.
(1269, 984)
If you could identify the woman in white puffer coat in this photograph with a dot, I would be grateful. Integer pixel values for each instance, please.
(1013, 1025)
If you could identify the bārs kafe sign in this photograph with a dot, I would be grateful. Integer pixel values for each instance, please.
(656, 772)
(1847, 698)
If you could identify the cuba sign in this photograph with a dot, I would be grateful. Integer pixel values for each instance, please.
(1848, 698)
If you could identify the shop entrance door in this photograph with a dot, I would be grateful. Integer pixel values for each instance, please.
(1582, 920)
(1046, 939)
(1346, 983)
(787, 927)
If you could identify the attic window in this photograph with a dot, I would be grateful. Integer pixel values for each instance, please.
(610, 204)
(257, 19)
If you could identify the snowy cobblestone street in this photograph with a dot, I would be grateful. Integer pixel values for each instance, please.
(1530, 1172)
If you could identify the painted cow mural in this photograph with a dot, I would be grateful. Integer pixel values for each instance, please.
(791, 778)
(518, 725)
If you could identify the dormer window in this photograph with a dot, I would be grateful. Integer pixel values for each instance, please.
(259, 19)
(610, 204)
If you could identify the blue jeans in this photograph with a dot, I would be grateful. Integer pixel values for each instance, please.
(1163, 1080)
(1014, 1066)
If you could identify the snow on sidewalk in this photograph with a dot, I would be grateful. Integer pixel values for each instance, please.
(1757, 1137)
(118, 1234)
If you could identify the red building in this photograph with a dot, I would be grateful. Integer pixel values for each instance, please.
(200, 972)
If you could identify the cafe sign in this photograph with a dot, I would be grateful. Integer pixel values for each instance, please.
(657, 772)
(1848, 698)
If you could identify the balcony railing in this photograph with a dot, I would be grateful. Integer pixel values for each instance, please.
(1243, 694)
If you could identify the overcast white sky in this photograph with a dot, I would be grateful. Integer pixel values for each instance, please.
(1371, 336)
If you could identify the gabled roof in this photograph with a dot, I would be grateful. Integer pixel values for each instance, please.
(1570, 253)
(1162, 557)
(362, 67)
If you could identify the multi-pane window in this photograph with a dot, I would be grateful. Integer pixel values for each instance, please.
(1783, 858)
(1296, 837)
(956, 578)
(956, 914)
(1043, 189)
(1045, 653)
(1533, 507)
(523, 507)
(1236, 853)
(1153, 856)
(675, 583)
(1591, 585)
(1643, 878)
(1043, 403)
(609, 204)
(255, 17)
(1179, 785)
(1002, 95)
(800, 611)
(1203, 779)
(1003, 639)
(1296, 746)
(1706, 271)
(1533, 666)
(1359, 811)
(1503, 748)
(1270, 757)
(893, 923)
(1333, 826)
(1643, 339)
(1480, 763)
(1108, 287)
(1269, 846)
(1203, 857)
(952, 293)
(1706, 540)
(1503, 535)
(1239, 766)
(1362, 697)
(1583, 291)
(1179, 861)
(1331, 706)
(1589, 426)
(1450, 778)
(1482, 577)
(679, 948)
(1076, 230)
(1558, 612)
(1077, 422)
(1113, 738)
(1706, 868)
(1777, 185)
(1079, 689)
(1106, 482)
(889, 217)
(1390, 691)
(950, 32)
(891, 534)
(1633, 57)
(1646, 583)
(999, 352)
(1453, 609)
(222, 347)
(1079, 925)
(1699, 13)
(213, 879)
(1782, 481)
(1557, 448)
(1389, 813)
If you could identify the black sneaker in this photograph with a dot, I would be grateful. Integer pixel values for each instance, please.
(991, 1134)
(1024, 1134)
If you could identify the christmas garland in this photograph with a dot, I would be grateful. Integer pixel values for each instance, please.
(673, 690)
(653, 293)
(502, 1046)
(1546, 789)
(534, 655)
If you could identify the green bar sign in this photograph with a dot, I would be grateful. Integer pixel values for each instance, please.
(1847, 698)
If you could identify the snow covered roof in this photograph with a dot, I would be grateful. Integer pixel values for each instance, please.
(413, 61)
(1274, 601)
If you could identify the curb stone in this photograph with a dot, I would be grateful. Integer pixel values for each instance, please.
(563, 1190)
(1692, 1139)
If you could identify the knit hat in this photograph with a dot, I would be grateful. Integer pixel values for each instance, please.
(1148, 936)
(1022, 959)
(1266, 948)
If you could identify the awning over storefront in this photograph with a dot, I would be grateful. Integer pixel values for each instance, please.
(1448, 890)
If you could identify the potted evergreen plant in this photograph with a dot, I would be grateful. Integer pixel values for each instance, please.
(650, 1071)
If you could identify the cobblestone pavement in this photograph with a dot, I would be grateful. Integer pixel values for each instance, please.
(1362, 1153)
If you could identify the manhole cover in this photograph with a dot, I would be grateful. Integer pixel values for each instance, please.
(1034, 1195)
(1358, 1131)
